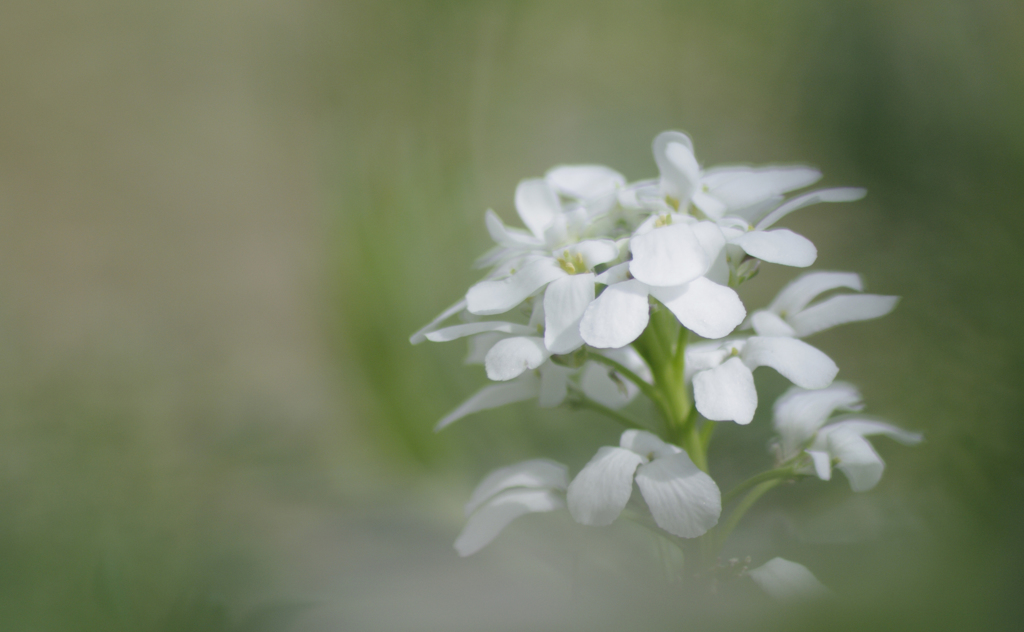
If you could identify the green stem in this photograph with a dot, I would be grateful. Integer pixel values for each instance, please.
(665, 325)
(734, 493)
(649, 346)
(722, 533)
(694, 446)
(644, 387)
(679, 359)
(706, 431)
(583, 402)
(655, 344)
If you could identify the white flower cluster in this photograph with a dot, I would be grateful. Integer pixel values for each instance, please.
(573, 307)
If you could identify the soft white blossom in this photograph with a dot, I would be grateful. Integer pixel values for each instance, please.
(745, 201)
(683, 500)
(507, 493)
(725, 190)
(791, 313)
(595, 187)
(723, 378)
(551, 383)
(671, 253)
(787, 581)
(553, 257)
(800, 420)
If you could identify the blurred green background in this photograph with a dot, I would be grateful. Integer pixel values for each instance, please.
(220, 222)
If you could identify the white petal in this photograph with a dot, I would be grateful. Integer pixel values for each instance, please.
(554, 384)
(557, 232)
(615, 274)
(494, 256)
(671, 255)
(767, 323)
(584, 182)
(711, 239)
(628, 198)
(801, 291)
(751, 214)
(470, 329)
(421, 335)
(597, 384)
(537, 315)
(856, 458)
(480, 344)
(840, 310)
(647, 444)
(701, 356)
(718, 271)
(799, 413)
(814, 197)
(629, 358)
(822, 464)
(577, 220)
(601, 490)
(704, 307)
(601, 383)
(683, 500)
(868, 427)
(565, 300)
(491, 519)
(780, 246)
(750, 186)
(537, 205)
(726, 392)
(810, 409)
(595, 251)
(654, 221)
(719, 175)
(496, 297)
(493, 396)
(787, 581)
(617, 317)
(507, 237)
(796, 360)
(680, 173)
(536, 473)
(711, 206)
(514, 260)
(512, 356)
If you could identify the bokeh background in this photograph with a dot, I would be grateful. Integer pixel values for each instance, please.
(220, 222)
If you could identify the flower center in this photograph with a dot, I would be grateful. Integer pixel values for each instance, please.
(572, 262)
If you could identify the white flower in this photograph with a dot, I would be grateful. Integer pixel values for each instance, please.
(595, 187)
(683, 500)
(787, 581)
(505, 494)
(790, 314)
(800, 418)
(725, 190)
(554, 257)
(781, 246)
(671, 253)
(799, 414)
(621, 313)
(602, 384)
(550, 383)
(723, 378)
(421, 335)
(737, 196)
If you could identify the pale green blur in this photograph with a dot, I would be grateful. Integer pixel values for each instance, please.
(220, 222)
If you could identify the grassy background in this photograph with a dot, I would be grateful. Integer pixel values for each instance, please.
(219, 223)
